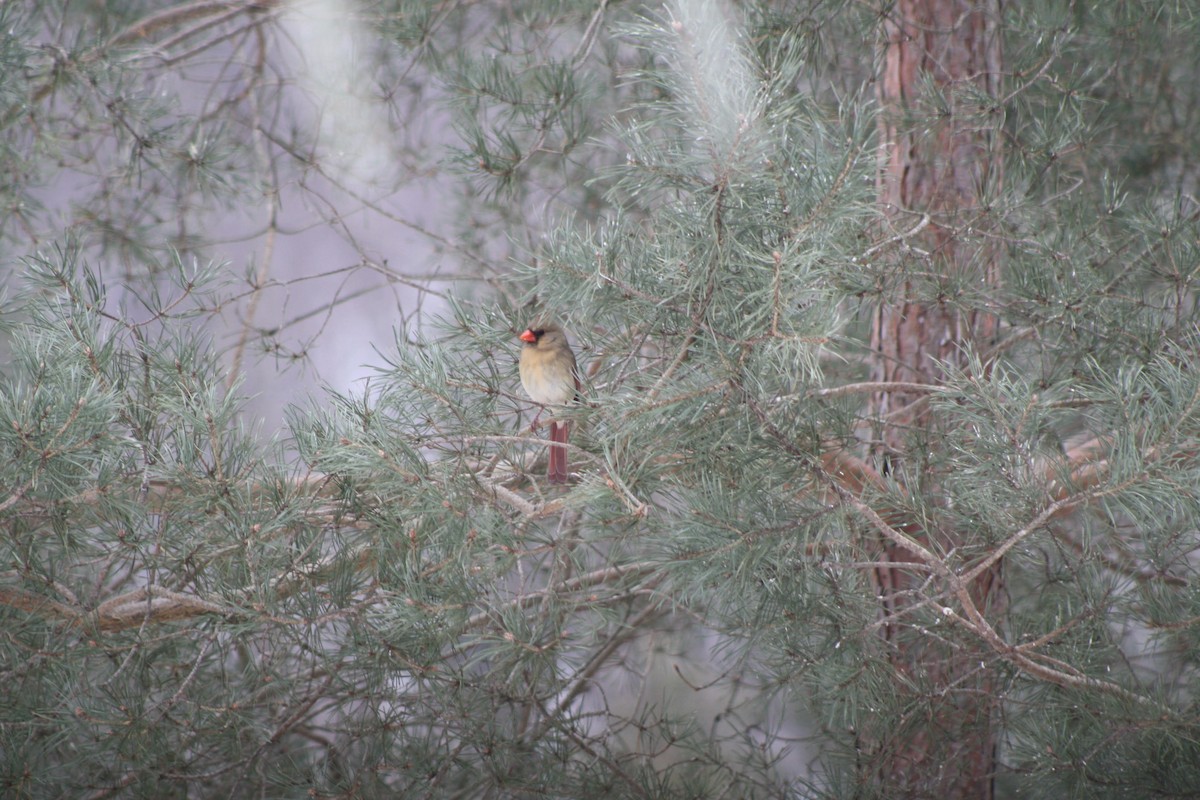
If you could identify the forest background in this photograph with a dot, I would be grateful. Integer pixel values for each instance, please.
(885, 482)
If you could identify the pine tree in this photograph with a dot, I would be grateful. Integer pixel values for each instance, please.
(886, 470)
(938, 183)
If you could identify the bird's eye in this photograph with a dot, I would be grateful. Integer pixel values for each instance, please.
(539, 332)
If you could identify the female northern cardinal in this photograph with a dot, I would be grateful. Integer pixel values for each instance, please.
(550, 377)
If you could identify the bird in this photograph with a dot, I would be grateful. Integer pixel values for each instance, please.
(550, 377)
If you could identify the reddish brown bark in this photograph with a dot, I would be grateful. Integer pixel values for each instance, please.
(939, 159)
(939, 152)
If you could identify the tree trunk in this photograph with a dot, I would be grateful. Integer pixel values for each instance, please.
(939, 158)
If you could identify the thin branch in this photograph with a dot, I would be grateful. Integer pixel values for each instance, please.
(579, 582)
(920, 226)
(170, 17)
(875, 386)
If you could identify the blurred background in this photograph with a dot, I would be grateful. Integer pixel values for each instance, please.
(356, 582)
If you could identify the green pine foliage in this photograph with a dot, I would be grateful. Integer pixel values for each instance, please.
(385, 598)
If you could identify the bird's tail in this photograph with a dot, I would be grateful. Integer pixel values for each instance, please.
(557, 473)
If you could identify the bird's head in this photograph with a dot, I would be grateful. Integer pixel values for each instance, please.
(541, 334)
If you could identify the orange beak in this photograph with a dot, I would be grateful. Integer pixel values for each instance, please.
(528, 336)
